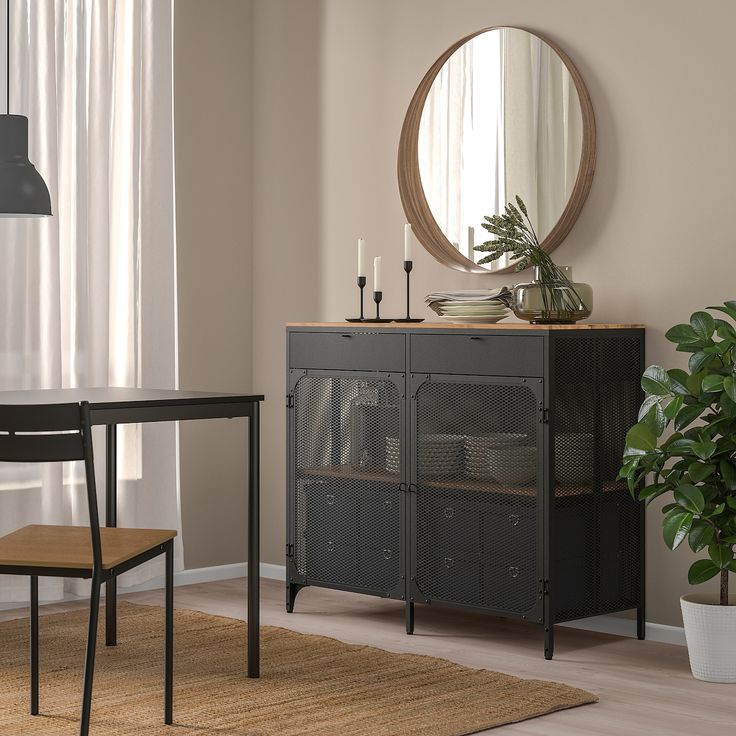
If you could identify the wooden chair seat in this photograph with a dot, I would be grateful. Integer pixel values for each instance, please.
(70, 547)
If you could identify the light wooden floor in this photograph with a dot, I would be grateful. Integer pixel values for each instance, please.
(644, 687)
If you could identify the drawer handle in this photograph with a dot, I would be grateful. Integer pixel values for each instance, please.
(386, 554)
(514, 519)
(449, 512)
(330, 499)
(514, 572)
(475, 337)
(345, 335)
(449, 562)
(330, 546)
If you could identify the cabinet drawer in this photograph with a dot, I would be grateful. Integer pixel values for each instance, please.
(347, 351)
(483, 355)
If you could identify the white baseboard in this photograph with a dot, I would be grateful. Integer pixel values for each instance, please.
(602, 624)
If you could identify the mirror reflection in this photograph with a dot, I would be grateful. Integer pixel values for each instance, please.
(502, 118)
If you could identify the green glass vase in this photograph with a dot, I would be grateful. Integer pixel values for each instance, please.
(562, 301)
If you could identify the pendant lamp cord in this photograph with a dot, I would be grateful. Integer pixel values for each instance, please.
(7, 68)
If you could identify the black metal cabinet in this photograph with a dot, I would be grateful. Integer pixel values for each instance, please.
(466, 467)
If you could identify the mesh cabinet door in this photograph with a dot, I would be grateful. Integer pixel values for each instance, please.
(347, 449)
(596, 538)
(476, 508)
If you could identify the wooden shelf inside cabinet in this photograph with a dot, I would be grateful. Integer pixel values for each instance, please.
(350, 472)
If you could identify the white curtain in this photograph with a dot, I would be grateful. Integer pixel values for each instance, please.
(461, 153)
(89, 295)
(543, 128)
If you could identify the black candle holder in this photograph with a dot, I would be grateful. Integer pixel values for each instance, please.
(377, 297)
(408, 265)
(361, 286)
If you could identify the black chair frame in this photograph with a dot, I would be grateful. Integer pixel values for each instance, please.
(60, 433)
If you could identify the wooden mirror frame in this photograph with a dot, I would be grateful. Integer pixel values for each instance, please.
(414, 201)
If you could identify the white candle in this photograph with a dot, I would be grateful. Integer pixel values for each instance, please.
(407, 242)
(361, 257)
(471, 241)
(377, 273)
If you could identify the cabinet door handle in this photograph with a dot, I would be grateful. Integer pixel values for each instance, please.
(475, 337)
(345, 335)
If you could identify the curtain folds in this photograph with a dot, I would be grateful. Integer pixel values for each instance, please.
(89, 295)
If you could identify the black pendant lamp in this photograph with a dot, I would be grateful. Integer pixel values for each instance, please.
(23, 192)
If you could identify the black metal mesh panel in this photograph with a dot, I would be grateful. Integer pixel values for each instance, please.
(347, 463)
(476, 496)
(596, 527)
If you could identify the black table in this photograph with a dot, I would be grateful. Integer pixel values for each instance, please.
(113, 406)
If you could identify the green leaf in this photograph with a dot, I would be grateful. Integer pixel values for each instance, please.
(720, 554)
(703, 325)
(704, 448)
(732, 566)
(727, 404)
(701, 535)
(731, 502)
(694, 383)
(701, 571)
(699, 471)
(656, 381)
(696, 361)
(641, 437)
(688, 414)
(712, 383)
(649, 493)
(729, 309)
(729, 386)
(675, 527)
(690, 498)
(728, 473)
(681, 333)
(678, 378)
(680, 446)
(655, 419)
(670, 411)
(646, 405)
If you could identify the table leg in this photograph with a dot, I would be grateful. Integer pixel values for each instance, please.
(111, 519)
(254, 561)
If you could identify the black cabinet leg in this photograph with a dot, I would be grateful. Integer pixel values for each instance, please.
(34, 645)
(111, 519)
(549, 641)
(292, 589)
(169, 635)
(410, 617)
(641, 624)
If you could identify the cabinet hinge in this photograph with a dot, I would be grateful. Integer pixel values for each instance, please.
(545, 587)
(544, 416)
(289, 401)
(289, 550)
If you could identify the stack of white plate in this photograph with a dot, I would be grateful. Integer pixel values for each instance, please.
(441, 455)
(503, 457)
(471, 311)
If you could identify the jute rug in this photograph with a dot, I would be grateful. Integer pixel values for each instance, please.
(310, 685)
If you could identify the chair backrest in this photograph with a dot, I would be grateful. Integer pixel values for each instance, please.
(40, 433)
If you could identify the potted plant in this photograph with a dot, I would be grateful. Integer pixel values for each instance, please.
(553, 297)
(696, 466)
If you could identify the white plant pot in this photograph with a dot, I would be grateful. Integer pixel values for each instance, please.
(710, 630)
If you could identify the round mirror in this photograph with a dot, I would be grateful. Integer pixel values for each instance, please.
(503, 112)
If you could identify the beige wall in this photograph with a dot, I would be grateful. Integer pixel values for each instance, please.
(212, 78)
(331, 82)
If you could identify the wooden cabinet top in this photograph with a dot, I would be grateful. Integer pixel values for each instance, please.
(463, 326)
